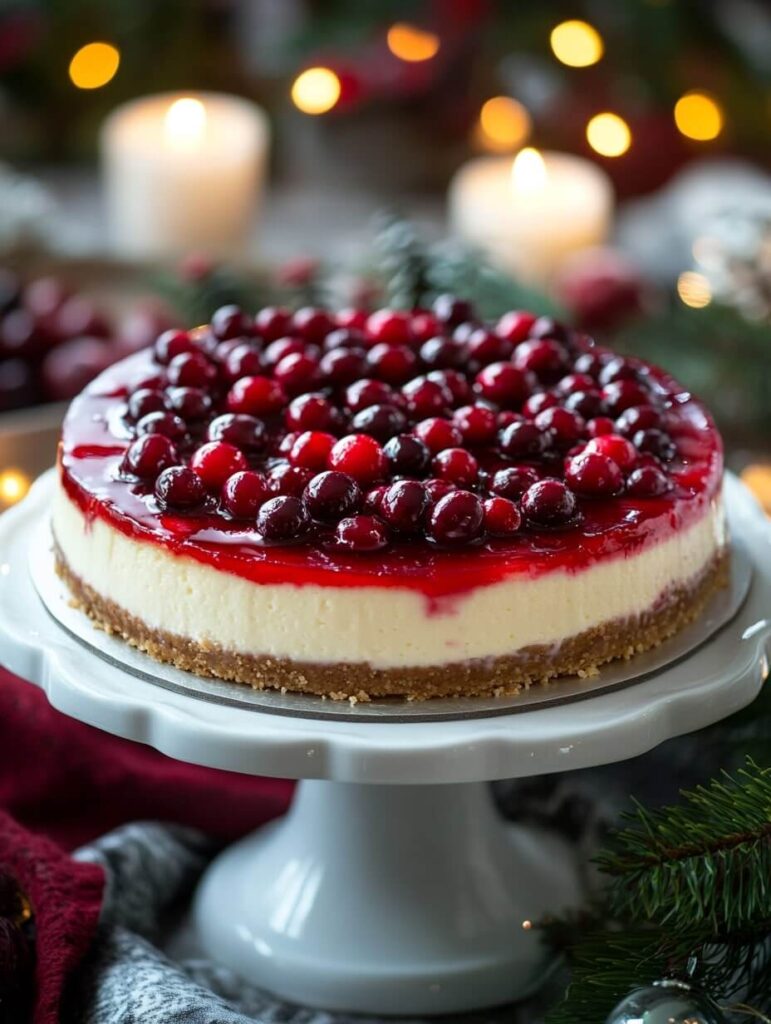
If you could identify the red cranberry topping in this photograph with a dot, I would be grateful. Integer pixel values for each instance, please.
(179, 488)
(600, 425)
(146, 457)
(617, 369)
(547, 359)
(243, 360)
(245, 432)
(622, 394)
(297, 372)
(392, 363)
(575, 382)
(192, 370)
(286, 479)
(594, 475)
(502, 518)
(282, 518)
(484, 347)
(407, 456)
(165, 423)
(192, 404)
(342, 366)
(456, 518)
(515, 325)
(424, 325)
(144, 401)
(374, 497)
(244, 493)
(425, 398)
(477, 424)
(311, 449)
(367, 392)
(615, 447)
(272, 322)
(507, 417)
(215, 461)
(310, 412)
(345, 337)
(655, 442)
(256, 396)
(286, 346)
(451, 310)
(637, 417)
(587, 404)
(504, 384)
(171, 344)
(361, 534)
(549, 503)
(647, 482)
(523, 441)
(354, 318)
(565, 427)
(331, 495)
(455, 382)
(437, 433)
(311, 323)
(513, 481)
(389, 325)
(381, 421)
(360, 456)
(589, 363)
(456, 465)
(547, 327)
(403, 505)
(441, 353)
(537, 403)
(231, 322)
(437, 489)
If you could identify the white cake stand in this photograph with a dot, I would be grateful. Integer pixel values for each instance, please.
(392, 887)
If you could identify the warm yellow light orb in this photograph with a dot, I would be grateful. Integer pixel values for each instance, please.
(608, 134)
(94, 65)
(316, 90)
(576, 43)
(698, 116)
(504, 124)
(410, 43)
(694, 289)
(13, 486)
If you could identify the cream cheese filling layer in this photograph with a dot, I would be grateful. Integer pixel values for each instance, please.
(386, 627)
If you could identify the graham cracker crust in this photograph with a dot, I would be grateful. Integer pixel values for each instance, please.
(580, 655)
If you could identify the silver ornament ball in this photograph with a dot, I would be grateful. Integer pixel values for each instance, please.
(667, 1002)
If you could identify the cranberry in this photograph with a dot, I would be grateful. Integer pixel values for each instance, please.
(504, 384)
(310, 412)
(144, 401)
(594, 475)
(403, 505)
(537, 403)
(297, 372)
(171, 344)
(456, 518)
(476, 423)
(360, 456)
(389, 325)
(484, 347)
(365, 392)
(546, 358)
(647, 482)
(191, 404)
(425, 398)
(272, 322)
(276, 351)
(146, 457)
(451, 310)
(600, 425)
(523, 441)
(407, 455)
(501, 517)
(244, 432)
(192, 370)
(286, 479)
(565, 427)
(361, 534)
(312, 324)
(230, 322)
(515, 325)
(282, 518)
(244, 492)
(440, 353)
(345, 338)
(456, 465)
(622, 394)
(617, 369)
(374, 497)
(179, 487)
(242, 361)
(352, 318)
(165, 423)
(424, 325)
(437, 433)
(256, 396)
(637, 417)
(587, 404)
(342, 366)
(380, 421)
(513, 481)
(507, 417)
(549, 503)
(455, 382)
(589, 363)
(331, 495)
(437, 489)
(547, 327)
(311, 449)
(655, 442)
(575, 382)
(392, 363)
(615, 447)
(215, 461)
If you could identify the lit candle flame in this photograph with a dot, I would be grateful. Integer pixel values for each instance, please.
(528, 172)
(185, 123)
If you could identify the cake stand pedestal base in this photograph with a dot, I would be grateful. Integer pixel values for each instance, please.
(445, 882)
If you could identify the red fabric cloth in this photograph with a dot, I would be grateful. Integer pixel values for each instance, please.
(63, 783)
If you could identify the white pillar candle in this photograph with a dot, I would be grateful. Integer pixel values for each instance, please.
(183, 173)
(528, 215)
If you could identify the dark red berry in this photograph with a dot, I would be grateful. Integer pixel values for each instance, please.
(215, 461)
(179, 488)
(361, 457)
(312, 324)
(256, 396)
(352, 318)
(547, 327)
(243, 360)
(424, 325)
(537, 403)
(403, 505)
(451, 310)
(589, 363)
(165, 423)
(565, 427)
(454, 381)
(297, 372)
(282, 518)
(655, 442)
(515, 325)
(345, 337)
(549, 503)
(374, 497)
(231, 322)
(600, 425)
(437, 433)
(441, 353)
(477, 424)
(380, 421)
(617, 369)
(575, 382)
(310, 412)
(587, 404)
(425, 398)
(244, 432)
(361, 534)
(484, 347)
(407, 456)
(392, 363)
(637, 417)
(191, 370)
(365, 392)
(286, 479)
(286, 346)
(523, 441)
(244, 493)
(594, 475)
(546, 358)
(192, 404)
(622, 394)
(272, 322)
(144, 401)
(615, 447)
(146, 457)
(502, 518)
(647, 482)
(437, 489)
(456, 465)
(513, 481)
(331, 495)
(172, 343)
(456, 518)
(311, 449)
(389, 325)
(342, 366)
(503, 384)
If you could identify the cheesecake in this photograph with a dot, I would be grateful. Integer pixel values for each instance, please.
(394, 504)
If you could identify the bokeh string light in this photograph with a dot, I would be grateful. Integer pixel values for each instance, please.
(316, 90)
(14, 484)
(608, 134)
(576, 43)
(412, 44)
(694, 289)
(504, 124)
(94, 65)
(698, 116)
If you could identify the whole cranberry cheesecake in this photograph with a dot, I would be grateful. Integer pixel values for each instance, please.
(388, 504)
